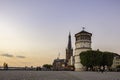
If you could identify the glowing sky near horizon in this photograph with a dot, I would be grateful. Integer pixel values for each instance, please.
(33, 32)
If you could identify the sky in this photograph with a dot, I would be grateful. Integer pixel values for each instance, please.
(34, 32)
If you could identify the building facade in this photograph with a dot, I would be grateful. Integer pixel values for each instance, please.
(116, 62)
(82, 43)
(59, 64)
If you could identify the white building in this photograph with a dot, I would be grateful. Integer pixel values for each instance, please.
(116, 61)
(82, 43)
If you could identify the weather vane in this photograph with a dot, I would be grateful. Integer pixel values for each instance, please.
(83, 28)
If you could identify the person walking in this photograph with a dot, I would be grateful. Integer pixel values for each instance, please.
(102, 69)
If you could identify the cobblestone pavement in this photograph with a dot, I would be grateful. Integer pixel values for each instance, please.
(58, 75)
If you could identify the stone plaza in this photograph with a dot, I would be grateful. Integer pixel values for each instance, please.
(58, 75)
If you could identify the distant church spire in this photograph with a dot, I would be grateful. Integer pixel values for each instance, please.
(69, 41)
(69, 50)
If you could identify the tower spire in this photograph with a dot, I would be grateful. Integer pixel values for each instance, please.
(69, 50)
(69, 41)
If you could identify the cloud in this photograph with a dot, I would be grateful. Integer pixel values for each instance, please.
(7, 55)
(20, 56)
(10, 55)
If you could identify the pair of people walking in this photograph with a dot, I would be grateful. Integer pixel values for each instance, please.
(102, 69)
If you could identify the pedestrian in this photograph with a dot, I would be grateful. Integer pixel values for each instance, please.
(106, 68)
(98, 69)
(102, 69)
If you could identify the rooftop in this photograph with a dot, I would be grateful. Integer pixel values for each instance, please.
(83, 32)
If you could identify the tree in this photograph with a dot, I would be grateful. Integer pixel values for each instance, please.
(5, 66)
(96, 58)
(107, 58)
(47, 66)
(87, 58)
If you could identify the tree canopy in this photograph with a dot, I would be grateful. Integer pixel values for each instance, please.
(48, 66)
(96, 58)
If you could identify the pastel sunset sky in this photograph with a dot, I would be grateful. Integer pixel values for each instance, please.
(33, 32)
